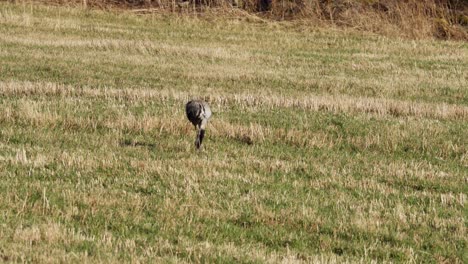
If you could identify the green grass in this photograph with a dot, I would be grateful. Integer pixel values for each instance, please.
(324, 146)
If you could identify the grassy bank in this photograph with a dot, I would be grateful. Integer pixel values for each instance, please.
(421, 19)
(324, 146)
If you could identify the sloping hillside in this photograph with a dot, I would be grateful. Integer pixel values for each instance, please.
(415, 19)
(324, 145)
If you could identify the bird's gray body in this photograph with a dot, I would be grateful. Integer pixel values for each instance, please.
(198, 113)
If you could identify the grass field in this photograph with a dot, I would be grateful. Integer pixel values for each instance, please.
(324, 146)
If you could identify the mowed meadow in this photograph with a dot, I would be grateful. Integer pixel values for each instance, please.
(325, 145)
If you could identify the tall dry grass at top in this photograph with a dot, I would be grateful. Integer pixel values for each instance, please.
(443, 19)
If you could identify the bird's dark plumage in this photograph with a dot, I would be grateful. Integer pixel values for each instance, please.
(198, 112)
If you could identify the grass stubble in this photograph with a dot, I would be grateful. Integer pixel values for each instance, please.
(325, 146)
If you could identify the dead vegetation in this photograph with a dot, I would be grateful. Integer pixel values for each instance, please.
(443, 19)
(327, 103)
(170, 120)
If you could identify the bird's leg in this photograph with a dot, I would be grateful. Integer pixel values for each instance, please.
(201, 135)
(197, 139)
(201, 132)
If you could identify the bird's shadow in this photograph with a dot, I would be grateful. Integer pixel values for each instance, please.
(136, 143)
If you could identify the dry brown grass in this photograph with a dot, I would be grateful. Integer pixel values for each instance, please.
(328, 103)
(171, 120)
(444, 19)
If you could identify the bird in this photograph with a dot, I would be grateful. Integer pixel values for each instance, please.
(198, 113)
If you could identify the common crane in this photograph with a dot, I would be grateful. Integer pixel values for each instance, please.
(198, 112)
